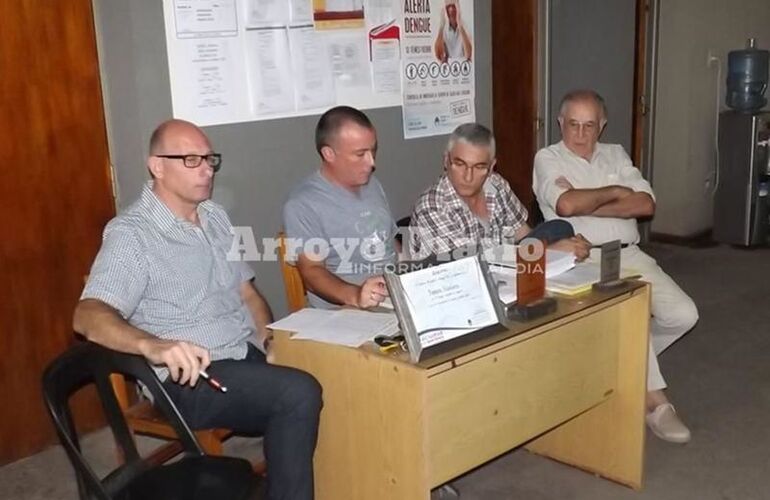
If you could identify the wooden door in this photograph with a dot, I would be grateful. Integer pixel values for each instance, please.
(514, 109)
(56, 197)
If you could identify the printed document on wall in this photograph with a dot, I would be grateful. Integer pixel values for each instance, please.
(263, 13)
(350, 64)
(313, 79)
(270, 75)
(200, 18)
(438, 76)
(380, 11)
(385, 55)
(209, 80)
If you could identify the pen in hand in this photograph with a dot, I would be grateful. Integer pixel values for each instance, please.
(216, 384)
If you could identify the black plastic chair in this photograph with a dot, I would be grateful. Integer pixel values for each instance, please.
(402, 222)
(194, 476)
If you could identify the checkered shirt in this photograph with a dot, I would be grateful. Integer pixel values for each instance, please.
(442, 222)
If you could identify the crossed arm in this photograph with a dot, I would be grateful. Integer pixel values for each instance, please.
(609, 201)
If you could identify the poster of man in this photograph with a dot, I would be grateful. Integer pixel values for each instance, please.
(438, 83)
(452, 39)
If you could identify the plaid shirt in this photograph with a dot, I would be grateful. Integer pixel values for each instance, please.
(441, 220)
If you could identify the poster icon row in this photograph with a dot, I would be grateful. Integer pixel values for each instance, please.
(435, 69)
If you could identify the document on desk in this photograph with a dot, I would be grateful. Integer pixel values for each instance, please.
(506, 284)
(580, 279)
(448, 301)
(502, 259)
(348, 327)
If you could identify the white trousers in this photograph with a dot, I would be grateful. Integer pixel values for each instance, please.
(673, 311)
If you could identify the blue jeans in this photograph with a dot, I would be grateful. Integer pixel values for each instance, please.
(280, 403)
(552, 231)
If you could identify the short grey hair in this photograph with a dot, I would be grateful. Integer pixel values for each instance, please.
(475, 134)
(583, 95)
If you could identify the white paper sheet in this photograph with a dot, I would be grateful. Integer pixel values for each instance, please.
(504, 256)
(581, 277)
(349, 327)
(195, 18)
(344, 5)
(209, 80)
(301, 11)
(262, 13)
(506, 284)
(313, 80)
(350, 60)
(270, 73)
(379, 11)
(386, 66)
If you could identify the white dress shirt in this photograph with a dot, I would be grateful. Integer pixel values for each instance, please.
(609, 165)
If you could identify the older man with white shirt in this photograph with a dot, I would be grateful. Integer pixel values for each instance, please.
(598, 190)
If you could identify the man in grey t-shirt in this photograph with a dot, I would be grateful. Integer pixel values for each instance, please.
(337, 221)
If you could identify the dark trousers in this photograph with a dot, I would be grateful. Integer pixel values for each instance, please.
(282, 404)
(552, 231)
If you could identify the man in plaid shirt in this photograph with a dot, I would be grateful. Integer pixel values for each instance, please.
(472, 206)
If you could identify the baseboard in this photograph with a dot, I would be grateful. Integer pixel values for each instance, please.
(696, 240)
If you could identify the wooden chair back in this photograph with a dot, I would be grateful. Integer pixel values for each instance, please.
(296, 297)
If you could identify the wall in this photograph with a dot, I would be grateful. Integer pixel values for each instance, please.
(262, 160)
(598, 58)
(685, 122)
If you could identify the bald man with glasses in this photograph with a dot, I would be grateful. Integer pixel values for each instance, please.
(162, 287)
(472, 207)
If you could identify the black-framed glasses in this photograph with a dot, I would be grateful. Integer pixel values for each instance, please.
(194, 161)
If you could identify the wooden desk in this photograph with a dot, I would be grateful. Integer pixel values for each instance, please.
(570, 386)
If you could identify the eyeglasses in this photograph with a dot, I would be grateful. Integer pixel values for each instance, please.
(194, 161)
(587, 127)
(458, 164)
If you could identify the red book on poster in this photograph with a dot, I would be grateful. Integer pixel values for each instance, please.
(387, 31)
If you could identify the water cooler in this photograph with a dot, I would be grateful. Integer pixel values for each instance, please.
(741, 209)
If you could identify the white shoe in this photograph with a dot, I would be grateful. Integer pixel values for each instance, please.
(665, 423)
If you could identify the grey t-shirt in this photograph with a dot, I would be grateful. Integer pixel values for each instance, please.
(354, 230)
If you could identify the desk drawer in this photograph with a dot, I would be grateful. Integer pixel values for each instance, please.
(481, 409)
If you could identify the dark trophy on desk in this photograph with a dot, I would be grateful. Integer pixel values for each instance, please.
(531, 301)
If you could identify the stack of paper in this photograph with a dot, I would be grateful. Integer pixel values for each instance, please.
(349, 327)
(558, 262)
(502, 259)
(575, 281)
(579, 279)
